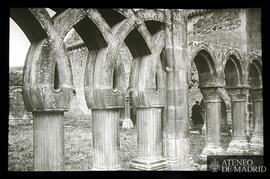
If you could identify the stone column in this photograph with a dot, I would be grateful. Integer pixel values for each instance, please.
(213, 118)
(239, 144)
(105, 125)
(176, 123)
(48, 139)
(149, 140)
(47, 93)
(257, 138)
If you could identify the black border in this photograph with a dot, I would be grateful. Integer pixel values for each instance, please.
(181, 4)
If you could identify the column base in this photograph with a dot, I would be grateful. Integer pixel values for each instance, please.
(127, 123)
(210, 150)
(172, 161)
(256, 145)
(238, 147)
(180, 148)
(152, 164)
(106, 169)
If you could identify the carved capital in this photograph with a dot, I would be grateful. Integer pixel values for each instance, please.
(256, 94)
(211, 94)
(47, 87)
(238, 94)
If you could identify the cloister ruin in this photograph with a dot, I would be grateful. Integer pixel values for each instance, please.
(163, 56)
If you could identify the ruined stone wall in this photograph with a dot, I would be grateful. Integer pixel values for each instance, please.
(224, 27)
(254, 29)
(221, 27)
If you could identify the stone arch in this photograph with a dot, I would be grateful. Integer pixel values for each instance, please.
(147, 76)
(233, 69)
(255, 73)
(40, 70)
(57, 11)
(138, 40)
(32, 27)
(204, 61)
(151, 15)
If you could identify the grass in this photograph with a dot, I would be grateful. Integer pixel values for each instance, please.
(78, 146)
(197, 144)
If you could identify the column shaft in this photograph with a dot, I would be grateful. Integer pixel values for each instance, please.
(149, 140)
(175, 131)
(48, 139)
(239, 144)
(213, 121)
(213, 115)
(105, 123)
(238, 116)
(257, 138)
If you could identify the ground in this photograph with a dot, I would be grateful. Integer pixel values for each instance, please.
(78, 146)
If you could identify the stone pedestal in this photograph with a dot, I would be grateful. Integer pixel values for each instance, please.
(213, 118)
(106, 144)
(149, 140)
(256, 142)
(48, 139)
(239, 144)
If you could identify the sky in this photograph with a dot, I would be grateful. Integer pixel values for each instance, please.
(19, 43)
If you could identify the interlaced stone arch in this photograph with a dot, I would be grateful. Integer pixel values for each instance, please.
(157, 41)
(39, 69)
(33, 34)
(47, 86)
(144, 72)
(126, 30)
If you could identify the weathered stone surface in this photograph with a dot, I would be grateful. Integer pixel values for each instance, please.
(48, 141)
(176, 122)
(213, 117)
(106, 139)
(257, 138)
(159, 55)
(149, 140)
(239, 144)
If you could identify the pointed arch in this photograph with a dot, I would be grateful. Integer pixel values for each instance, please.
(255, 73)
(204, 61)
(233, 69)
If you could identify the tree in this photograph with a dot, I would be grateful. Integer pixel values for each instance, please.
(15, 85)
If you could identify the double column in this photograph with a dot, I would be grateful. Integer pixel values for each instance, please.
(256, 142)
(239, 144)
(212, 101)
